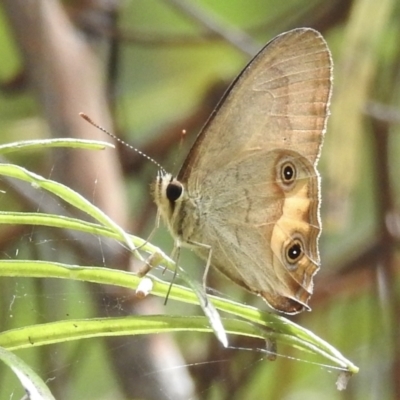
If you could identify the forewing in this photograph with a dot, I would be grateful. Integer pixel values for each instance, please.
(279, 100)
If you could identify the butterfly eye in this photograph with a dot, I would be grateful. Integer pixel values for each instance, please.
(174, 191)
(288, 172)
(294, 252)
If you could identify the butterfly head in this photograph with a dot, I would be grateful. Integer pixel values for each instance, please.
(168, 192)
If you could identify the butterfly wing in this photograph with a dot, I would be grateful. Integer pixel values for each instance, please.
(280, 100)
(252, 171)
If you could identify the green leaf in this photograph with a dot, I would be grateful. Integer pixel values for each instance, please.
(64, 142)
(284, 330)
(67, 194)
(32, 383)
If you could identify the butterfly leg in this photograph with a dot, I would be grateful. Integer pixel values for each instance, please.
(208, 264)
(151, 261)
(176, 251)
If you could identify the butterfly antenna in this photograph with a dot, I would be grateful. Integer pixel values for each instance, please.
(88, 119)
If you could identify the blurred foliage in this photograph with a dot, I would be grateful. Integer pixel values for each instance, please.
(165, 70)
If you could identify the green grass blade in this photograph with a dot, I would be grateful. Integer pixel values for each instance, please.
(62, 142)
(32, 383)
(67, 194)
(288, 331)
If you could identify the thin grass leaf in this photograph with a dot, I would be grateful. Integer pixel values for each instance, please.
(76, 329)
(63, 142)
(34, 386)
(67, 194)
(288, 331)
(64, 331)
(55, 221)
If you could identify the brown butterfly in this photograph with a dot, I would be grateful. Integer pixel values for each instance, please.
(247, 197)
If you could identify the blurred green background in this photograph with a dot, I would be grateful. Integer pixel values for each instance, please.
(146, 70)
